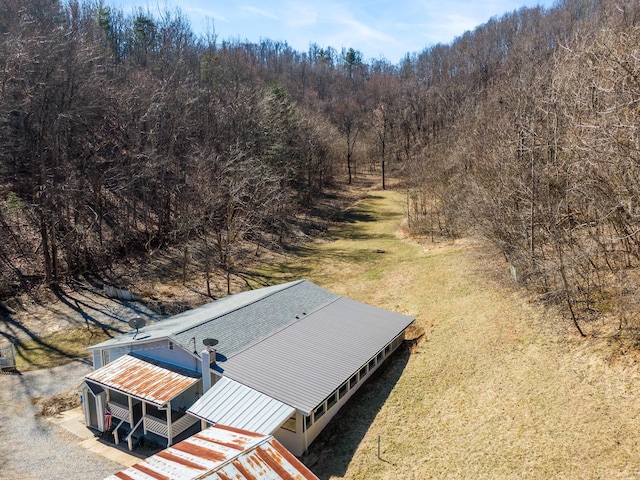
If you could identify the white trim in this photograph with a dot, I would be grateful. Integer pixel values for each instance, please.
(169, 426)
(100, 411)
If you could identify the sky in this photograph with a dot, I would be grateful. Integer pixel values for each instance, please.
(377, 28)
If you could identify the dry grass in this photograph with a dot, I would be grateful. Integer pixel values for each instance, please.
(499, 389)
(52, 406)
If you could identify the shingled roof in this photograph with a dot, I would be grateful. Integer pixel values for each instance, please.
(235, 321)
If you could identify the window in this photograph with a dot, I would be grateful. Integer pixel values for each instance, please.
(318, 413)
(379, 357)
(387, 350)
(308, 421)
(342, 390)
(170, 345)
(372, 363)
(353, 380)
(290, 424)
(332, 400)
(363, 372)
(105, 357)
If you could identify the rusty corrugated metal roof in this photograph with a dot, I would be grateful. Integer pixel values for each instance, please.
(220, 452)
(142, 379)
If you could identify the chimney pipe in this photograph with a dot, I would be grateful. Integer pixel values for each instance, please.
(206, 369)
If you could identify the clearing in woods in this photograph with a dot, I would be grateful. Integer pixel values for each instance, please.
(498, 388)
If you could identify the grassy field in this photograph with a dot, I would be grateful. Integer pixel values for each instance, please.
(498, 389)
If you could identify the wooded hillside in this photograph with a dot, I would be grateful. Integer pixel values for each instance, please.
(123, 134)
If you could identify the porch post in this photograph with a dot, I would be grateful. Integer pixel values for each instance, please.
(169, 426)
(144, 414)
(131, 424)
(100, 411)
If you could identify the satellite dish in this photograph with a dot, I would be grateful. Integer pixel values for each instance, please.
(137, 323)
(210, 342)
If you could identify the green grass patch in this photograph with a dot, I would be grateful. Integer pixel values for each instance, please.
(57, 348)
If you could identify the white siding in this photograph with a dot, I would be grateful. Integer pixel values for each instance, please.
(161, 352)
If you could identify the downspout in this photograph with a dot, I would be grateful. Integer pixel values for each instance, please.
(169, 426)
(304, 425)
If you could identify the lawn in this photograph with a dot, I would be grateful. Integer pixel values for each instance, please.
(56, 348)
(499, 388)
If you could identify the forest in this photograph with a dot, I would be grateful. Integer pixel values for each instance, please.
(124, 134)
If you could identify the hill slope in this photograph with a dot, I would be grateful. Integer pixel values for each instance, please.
(499, 389)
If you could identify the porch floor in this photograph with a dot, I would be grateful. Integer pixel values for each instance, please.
(73, 422)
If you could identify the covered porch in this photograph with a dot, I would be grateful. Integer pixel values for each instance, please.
(132, 397)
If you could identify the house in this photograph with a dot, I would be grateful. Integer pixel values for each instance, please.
(220, 452)
(286, 358)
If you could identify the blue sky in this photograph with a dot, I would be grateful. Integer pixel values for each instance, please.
(376, 28)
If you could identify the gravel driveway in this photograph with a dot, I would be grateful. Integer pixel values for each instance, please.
(33, 447)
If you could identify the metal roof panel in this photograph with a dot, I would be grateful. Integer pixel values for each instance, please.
(231, 403)
(142, 379)
(304, 363)
(220, 452)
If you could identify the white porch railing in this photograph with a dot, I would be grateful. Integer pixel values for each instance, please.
(156, 425)
(160, 427)
(118, 411)
(129, 437)
(184, 422)
(116, 435)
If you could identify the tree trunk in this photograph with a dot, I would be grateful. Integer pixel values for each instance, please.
(46, 255)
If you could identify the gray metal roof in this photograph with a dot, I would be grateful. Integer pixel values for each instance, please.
(294, 342)
(306, 361)
(231, 403)
(235, 321)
